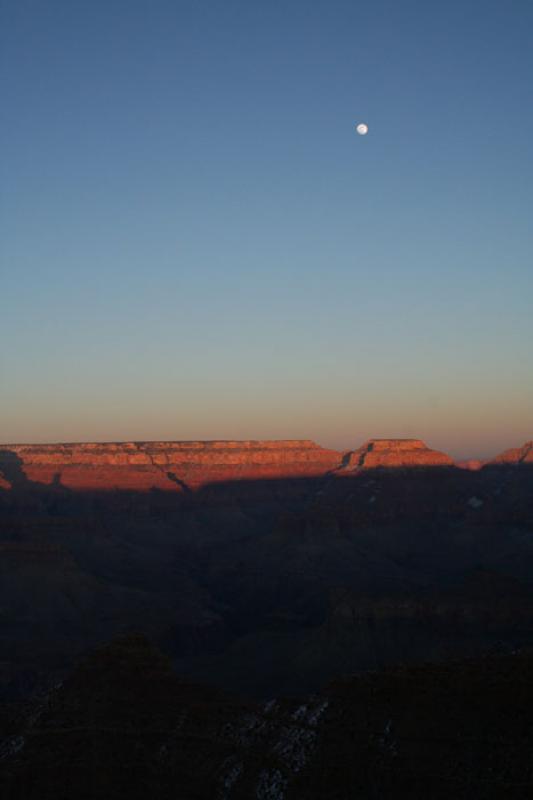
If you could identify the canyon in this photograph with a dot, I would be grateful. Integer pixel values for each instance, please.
(230, 618)
(264, 569)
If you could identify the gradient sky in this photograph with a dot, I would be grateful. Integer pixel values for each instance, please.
(196, 244)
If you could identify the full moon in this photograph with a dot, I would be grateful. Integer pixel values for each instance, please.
(362, 129)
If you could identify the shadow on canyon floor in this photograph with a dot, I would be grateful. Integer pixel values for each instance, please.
(267, 585)
(123, 725)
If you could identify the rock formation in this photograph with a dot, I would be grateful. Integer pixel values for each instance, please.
(472, 464)
(394, 453)
(184, 466)
(188, 466)
(162, 465)
(516, 455)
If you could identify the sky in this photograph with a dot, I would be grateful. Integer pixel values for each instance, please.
(195, 243)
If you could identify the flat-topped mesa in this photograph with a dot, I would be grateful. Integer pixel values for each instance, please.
(163, 465)
(394, 453)
(516, 455)
(141, 466)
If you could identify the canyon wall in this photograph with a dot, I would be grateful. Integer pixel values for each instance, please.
(184, 466)
(162, 465)
(516, 455)
(394, 453)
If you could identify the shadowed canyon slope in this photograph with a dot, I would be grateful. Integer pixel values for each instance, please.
(259, 566)
(123, 725)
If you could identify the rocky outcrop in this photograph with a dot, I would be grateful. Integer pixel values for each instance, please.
(394, 453)
(516, 455)
(472, 464)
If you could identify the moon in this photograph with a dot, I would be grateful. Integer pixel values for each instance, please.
(362, 129)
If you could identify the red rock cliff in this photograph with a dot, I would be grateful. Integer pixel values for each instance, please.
(393, 453)
(516, 455)
(188, 465)
(164, 465)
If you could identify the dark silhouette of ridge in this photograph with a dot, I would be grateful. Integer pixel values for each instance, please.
(11, 470)
(123, 725)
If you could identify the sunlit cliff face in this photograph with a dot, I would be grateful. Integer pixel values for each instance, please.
(189, 465)
(182, 466)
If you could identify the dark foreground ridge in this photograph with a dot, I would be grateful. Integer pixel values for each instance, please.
(123, 725)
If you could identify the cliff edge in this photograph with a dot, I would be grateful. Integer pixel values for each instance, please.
(393, 454)
(187, 466)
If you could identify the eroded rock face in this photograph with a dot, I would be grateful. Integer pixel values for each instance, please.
(516, 455)
(187, 466)
(393, 453)
(162, 465)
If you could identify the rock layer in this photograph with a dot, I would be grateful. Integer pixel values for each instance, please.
(516, 455)
(162, 465)
(185, 466)
(394, 453)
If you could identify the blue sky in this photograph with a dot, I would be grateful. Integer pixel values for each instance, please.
(196, 244)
